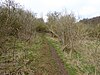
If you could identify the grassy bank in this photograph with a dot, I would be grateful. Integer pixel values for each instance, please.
(83, 62)
(28, 59)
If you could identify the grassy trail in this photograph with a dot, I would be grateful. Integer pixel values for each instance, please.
(49, 62)
(58, 61)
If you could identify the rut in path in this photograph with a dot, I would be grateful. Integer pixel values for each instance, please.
(58, 61)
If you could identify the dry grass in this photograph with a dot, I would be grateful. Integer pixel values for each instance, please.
(86, 61)
(28, 59)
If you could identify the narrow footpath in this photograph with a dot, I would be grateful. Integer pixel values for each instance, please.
(58, 61)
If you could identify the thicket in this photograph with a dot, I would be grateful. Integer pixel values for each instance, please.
(18, 33)
(80, 43)
(19, 29)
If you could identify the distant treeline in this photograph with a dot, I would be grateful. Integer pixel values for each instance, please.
(93, 21)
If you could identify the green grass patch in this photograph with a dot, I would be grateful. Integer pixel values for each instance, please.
(57, 46)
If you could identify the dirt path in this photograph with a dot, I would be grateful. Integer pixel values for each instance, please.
(58, 61)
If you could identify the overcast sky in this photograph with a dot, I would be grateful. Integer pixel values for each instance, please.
(82, 8)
